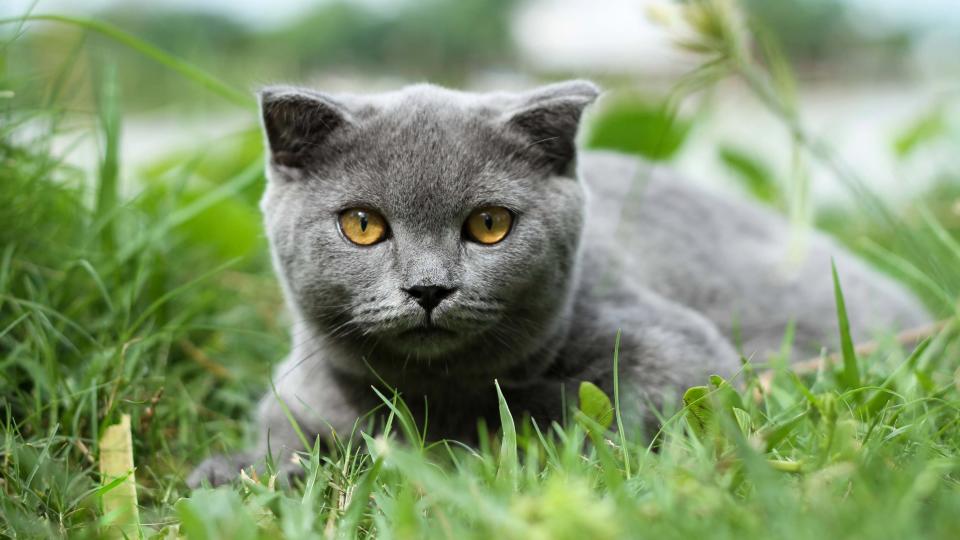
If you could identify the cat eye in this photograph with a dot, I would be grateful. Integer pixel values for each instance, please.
(488, 225)
(363, 227)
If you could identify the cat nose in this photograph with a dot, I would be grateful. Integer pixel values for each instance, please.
(429, 296)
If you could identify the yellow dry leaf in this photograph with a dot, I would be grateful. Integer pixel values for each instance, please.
(116, 466)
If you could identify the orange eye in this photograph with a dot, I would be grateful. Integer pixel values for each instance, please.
(488, 225)
(363, 227)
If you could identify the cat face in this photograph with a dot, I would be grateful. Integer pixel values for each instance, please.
(426, 223)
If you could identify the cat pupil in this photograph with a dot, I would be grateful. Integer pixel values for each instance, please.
(363, 222)
(488, 221)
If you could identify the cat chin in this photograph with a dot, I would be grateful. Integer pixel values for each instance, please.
(431, 340)
(427, 342)
(426, 347)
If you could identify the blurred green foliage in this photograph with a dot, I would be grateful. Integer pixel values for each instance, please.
(812, 31)
(443, 41)
(637, 125)
(753, 175)
(927, 128)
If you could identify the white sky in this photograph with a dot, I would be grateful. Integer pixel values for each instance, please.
(266, 12)
(255, 12)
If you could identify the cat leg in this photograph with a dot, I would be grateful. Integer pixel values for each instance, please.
(219, 470)
(665, 348)
(308, 398)
(278, 439)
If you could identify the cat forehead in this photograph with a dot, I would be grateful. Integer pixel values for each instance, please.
(426, 117)
(423, 166)
(438, 134)
(431, 140)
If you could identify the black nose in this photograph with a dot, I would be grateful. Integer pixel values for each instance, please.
(428, 296)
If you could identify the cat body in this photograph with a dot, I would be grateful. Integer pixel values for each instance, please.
(596, 243)
(738, 264)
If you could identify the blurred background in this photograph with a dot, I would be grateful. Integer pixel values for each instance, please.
(873, 75)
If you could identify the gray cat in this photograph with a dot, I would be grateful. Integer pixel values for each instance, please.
(436, 240)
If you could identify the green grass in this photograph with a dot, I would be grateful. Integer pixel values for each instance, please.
(161, 305)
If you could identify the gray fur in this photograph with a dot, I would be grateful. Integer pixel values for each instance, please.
(618, 246)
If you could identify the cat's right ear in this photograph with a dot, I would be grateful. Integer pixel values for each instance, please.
(549, 118)
(297, 122)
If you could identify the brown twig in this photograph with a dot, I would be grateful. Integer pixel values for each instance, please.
(200, 357)
(910, 337)
(84, 450)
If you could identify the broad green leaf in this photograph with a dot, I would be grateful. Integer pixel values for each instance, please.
(699, 410)
(639, 126)
(743, 420)
(595, 404)
(726, 396)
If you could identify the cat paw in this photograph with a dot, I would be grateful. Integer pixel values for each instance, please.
(218, 470)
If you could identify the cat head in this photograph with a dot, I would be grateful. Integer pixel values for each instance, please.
(426, 225)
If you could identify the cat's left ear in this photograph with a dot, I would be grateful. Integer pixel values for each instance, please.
(298, 122)
(549, 117)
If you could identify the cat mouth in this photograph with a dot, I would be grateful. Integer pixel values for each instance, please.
(427, 331)
(427, 340)
(431, 334)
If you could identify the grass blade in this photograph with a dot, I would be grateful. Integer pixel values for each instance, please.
(509, 464)
(616, 406)
(882, 394)
(911, 272)
(290, 417)
(109, 171)
(850, 376)
(358, 502)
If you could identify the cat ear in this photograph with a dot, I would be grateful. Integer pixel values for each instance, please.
(548, 117)
(297, 122)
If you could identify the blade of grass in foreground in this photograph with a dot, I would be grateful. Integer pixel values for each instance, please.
(109, 170)
(509, 465)
(616, 406)
(850, 376)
